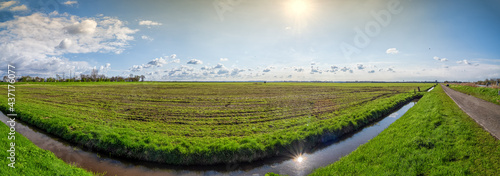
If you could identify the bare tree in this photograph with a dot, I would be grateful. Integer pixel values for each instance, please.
(95, 74)
(142, 78)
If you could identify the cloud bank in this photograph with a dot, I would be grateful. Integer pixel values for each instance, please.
(38, 42)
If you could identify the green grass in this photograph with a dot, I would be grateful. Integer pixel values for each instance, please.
(203, 123)
(31, 160)
(435, 137)
(485, 93)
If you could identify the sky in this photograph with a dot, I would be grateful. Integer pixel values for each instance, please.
(253, 40)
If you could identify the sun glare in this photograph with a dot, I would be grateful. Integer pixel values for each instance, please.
(299, 13)
(299, 159)
(298, 6)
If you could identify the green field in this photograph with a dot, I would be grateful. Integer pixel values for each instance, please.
(435, 137)
(203, 123)
(31, 160)
(485, 93)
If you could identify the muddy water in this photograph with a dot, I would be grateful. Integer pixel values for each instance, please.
(296, 163)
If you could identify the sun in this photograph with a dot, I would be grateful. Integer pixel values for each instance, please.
(299, 13)
(298, 7)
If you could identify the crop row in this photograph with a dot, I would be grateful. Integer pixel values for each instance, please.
(204, 123)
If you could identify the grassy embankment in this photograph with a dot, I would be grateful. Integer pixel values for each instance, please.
(203, 123)
(31, 160)
(435, 137)
(485, 93)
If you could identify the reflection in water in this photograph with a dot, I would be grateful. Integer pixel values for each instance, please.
(299, 159)
(430, 89)
(296, 163)
(393, 115)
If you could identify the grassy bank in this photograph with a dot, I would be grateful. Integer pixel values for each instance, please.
(204, 123)
(435, 137)
(31, 160)
(485, 93)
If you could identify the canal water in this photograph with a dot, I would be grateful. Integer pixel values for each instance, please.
(296, 163)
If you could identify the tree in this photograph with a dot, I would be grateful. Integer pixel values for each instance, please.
(94, 74)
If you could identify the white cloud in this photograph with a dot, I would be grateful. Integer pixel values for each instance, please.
(176, 61)
(333, 69)
(181, 73)
(195, 62)
(19, 8)
(223, 59)
(136, 68)
(236, 71)
(87, 26)
(392, 51)
(461, 72)
(315, 70)
(298, 69)
(219, 72)
(4, 5)
(65, 44)
(219, 66)
(346, 69)
(440, 59)
(37, 42)
(464, 62)
(145, 37)
(157, 62)
(360, 66)
(70, 3)
(104, 68)
(149, 23)
(223, 71)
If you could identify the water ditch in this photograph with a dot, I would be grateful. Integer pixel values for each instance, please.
(295, 164)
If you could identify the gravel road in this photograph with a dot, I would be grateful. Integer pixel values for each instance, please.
(484, 113)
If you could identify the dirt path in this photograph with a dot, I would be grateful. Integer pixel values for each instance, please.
(484, 113)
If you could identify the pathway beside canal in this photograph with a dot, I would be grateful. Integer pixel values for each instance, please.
(484, 113)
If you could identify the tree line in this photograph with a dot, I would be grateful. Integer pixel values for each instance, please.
(93, 77)
(494, 81)
(487, 82)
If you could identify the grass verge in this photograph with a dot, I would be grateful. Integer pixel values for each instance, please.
(485, 93)
(435, 137)
(31, 160)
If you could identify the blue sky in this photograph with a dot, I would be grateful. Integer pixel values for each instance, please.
(238, 40)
